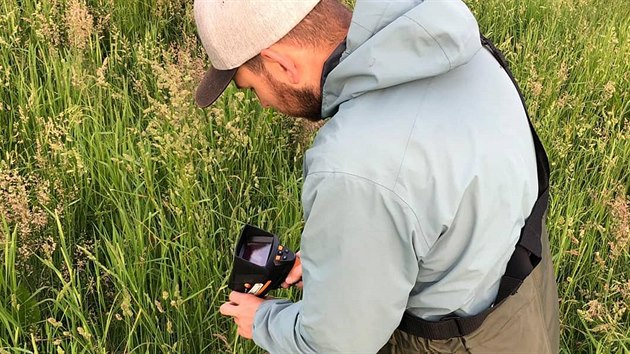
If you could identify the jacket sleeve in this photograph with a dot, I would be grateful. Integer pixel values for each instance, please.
(359, 266)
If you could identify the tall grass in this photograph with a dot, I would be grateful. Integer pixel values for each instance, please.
(120, 201)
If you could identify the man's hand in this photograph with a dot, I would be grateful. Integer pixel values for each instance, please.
(295, 275)
(242, 307)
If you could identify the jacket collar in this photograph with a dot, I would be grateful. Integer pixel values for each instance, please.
(331, 63)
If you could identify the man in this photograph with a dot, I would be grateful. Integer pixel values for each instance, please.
(415, 191)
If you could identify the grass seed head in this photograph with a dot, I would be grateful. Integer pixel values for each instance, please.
(46, 25)
(79, 24)
(84, 333)
(620, 210)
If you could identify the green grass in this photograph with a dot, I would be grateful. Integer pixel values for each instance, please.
(120, 201)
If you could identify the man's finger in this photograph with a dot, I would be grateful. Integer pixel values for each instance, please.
(287, 283)
(236, 297)
(228, 309)
(294, 275)
(296, 272)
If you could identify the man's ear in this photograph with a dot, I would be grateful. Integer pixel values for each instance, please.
(281, 65)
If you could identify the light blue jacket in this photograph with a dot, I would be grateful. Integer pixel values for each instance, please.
(415, 191)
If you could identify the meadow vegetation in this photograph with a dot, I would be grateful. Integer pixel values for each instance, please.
(120, 201)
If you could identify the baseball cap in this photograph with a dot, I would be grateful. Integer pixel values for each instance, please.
(234, 31)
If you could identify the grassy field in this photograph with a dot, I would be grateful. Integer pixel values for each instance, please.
(120, 201)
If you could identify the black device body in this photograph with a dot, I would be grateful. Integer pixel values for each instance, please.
(261, 263)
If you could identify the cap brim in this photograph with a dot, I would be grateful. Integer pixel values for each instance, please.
(212, 85)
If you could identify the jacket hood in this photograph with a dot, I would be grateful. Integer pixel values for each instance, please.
(394, 42)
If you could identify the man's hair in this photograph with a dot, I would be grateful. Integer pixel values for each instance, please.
(324, 26)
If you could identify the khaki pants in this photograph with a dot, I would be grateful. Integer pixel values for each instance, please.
(526, 322)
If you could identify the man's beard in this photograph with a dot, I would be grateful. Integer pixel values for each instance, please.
(304, 103)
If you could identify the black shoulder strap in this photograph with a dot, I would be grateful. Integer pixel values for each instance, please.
(526, 256)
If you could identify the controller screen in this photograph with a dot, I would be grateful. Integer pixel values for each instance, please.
(257, 252)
